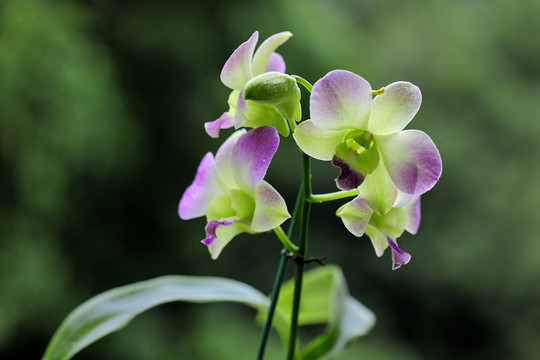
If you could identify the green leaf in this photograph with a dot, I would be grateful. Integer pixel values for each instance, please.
(114, 309)
(325, 299)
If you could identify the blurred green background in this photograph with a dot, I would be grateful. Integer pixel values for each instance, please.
(102, 105)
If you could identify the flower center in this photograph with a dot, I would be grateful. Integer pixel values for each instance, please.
(360, 142)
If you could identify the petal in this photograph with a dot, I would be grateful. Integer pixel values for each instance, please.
(355, 215)
(412, 160)
(379, 190)
(212, 128)
(252, 114)
(378, 239)
(341, 100)
(317, 142)
(237, 70)
(222, 164)
(412, 209)
(210, 230)
(266, 49)
(198, 195)
(348, 178)
(224, 234)
(251, 156)
(402, 199)
(275, 63)
(355, 164)
(392, 223)
(399, 257)
(270, 208)
(395, 108)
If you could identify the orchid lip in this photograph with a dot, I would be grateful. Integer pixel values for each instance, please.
(211, 228)
(399, 257)
(348, 179)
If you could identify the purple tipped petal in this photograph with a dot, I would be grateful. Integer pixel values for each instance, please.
(198, 195)
(222, 163)
(211, 228)
(412, 209)
(268, 46)
(412, 160)
(341, 100)
(241, 113)
(402, 199)
(395, 108)
(399, 257)
(212, 128)
(348, 179)
(275, 63)
(251, 156)
(237, 70)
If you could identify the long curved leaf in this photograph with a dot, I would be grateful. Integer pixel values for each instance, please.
(114, 309)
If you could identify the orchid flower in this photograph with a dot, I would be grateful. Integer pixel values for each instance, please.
(364, 137)
(243, 65)
(383, 230)
(229, 189)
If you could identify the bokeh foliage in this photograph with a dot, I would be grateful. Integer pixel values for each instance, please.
(101, 112)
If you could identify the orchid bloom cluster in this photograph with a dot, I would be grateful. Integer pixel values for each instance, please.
(358, 129)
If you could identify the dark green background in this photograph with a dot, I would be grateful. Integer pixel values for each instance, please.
(102, 105)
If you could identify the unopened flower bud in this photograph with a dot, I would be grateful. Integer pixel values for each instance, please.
(276, 89)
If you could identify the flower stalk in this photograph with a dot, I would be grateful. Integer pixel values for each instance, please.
(302, 250)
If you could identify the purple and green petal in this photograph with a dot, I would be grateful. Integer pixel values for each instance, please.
(275, 63)
(225, 121)
(378, 239)
(355, 163)
(224, 234)
(270, 208)
(237, 70)
(395, 108)
(399, 257)
(379, 190)
(355, 215)
(210, 230)
(348, 178)
(222, 163)
(199, 194)
(402, 199)
(251, 156)
(265, 50)
(412, 160)
(341, 100)
(316, 142)
(412, 209)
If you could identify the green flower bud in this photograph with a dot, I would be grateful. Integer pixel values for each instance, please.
(276, 89)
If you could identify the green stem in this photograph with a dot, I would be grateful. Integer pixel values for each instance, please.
(302, 250)
(304, 82)
(319, 198)
(279, 277)
(285, 240)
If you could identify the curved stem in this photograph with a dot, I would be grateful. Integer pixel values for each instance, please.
(302, 249)
(279, 276)
(319, 198)
(304, 82)
(285, 240)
